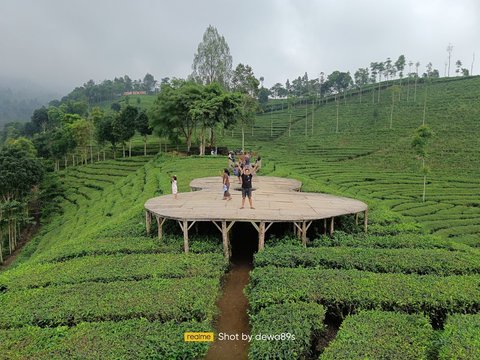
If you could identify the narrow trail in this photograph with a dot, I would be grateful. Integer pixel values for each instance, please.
(233, 318)
(233, 305)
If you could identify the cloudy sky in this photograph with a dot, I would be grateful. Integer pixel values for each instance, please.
(64, 43)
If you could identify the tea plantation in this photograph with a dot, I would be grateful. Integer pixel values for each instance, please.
(92, 285)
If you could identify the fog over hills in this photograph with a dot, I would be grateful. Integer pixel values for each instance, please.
(19, 97)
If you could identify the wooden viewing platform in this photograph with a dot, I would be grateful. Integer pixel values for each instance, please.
(275, 200)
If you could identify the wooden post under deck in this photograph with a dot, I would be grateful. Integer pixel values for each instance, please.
(226, 248)
(148, 221)
(186, 246)
(225, 230)
(365, 220)
(160, 222)
(331, 225)
(261, 236)
(304, 233)
(185, 227)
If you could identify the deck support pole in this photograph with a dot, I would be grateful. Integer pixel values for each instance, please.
(148, 221)
(185, 227)
(331, 225)
(304, 233)
(186, 245)
(226, 247)
(325, 226)
(365, 220)
(356, 218)
(160, 222)
(225, 230)
(261, 236)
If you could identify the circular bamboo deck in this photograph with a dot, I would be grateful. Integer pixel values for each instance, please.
(275, 200)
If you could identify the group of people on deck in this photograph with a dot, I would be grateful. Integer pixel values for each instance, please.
(244, 170)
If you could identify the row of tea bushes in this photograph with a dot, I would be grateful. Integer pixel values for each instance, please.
(109, 245)
(400, 241)
(128, 339)
(382, 335)
(420, 261)
(460, 338)
(155, 299)
(377, 334)
(345, 291)
(286, 331)
(108, 268)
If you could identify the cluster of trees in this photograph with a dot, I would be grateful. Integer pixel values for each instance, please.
(107, 90)
(20, 173)
(68, 133)
(215, 96)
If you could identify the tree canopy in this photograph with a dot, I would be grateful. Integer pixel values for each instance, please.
(213, 61)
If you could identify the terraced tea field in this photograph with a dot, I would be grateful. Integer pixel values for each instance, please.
(92, 285)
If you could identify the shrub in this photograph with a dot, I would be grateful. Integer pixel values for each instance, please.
(156, 299)
(129, 339)
(420, 261)
(107, 268)
(381, 335)
(388, 241)
(460, 338)
(345, 291)
(293, 327)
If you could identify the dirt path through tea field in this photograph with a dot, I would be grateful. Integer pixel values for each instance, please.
(233, 318)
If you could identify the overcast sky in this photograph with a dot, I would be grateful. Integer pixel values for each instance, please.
(62, 43)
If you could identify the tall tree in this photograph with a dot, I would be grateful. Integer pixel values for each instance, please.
(361, 79)
(400, 65)
(170, 114)
(143, 127)
(247, 107)
(243, 80)
(213, 61)
(214, 107)
(419, 145)
(124, 126)
(20, 171)
(149, 83)
(449, 50)
(104, 133)
(40, 119)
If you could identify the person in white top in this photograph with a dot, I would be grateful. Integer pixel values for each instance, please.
(174, 186)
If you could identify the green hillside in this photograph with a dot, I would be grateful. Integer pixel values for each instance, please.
(92, 285)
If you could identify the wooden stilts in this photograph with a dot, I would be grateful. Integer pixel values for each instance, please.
(261, 236)
(186, 245)
(325, 226)
(225, 230)
(356, 219)
(304, 233)
(331, 225)
(185, 227)
(148, 221)
(365, 220)
(160, 222)
(226, 250)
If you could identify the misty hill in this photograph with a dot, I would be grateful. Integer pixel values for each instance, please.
(20, 97)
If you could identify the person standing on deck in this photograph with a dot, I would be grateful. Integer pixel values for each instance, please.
(226, 185)
(247, 187)
(174, 186)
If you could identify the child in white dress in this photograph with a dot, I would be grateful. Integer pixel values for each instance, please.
(174, 186)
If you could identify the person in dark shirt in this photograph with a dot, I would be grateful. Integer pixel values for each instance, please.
(247, 187)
